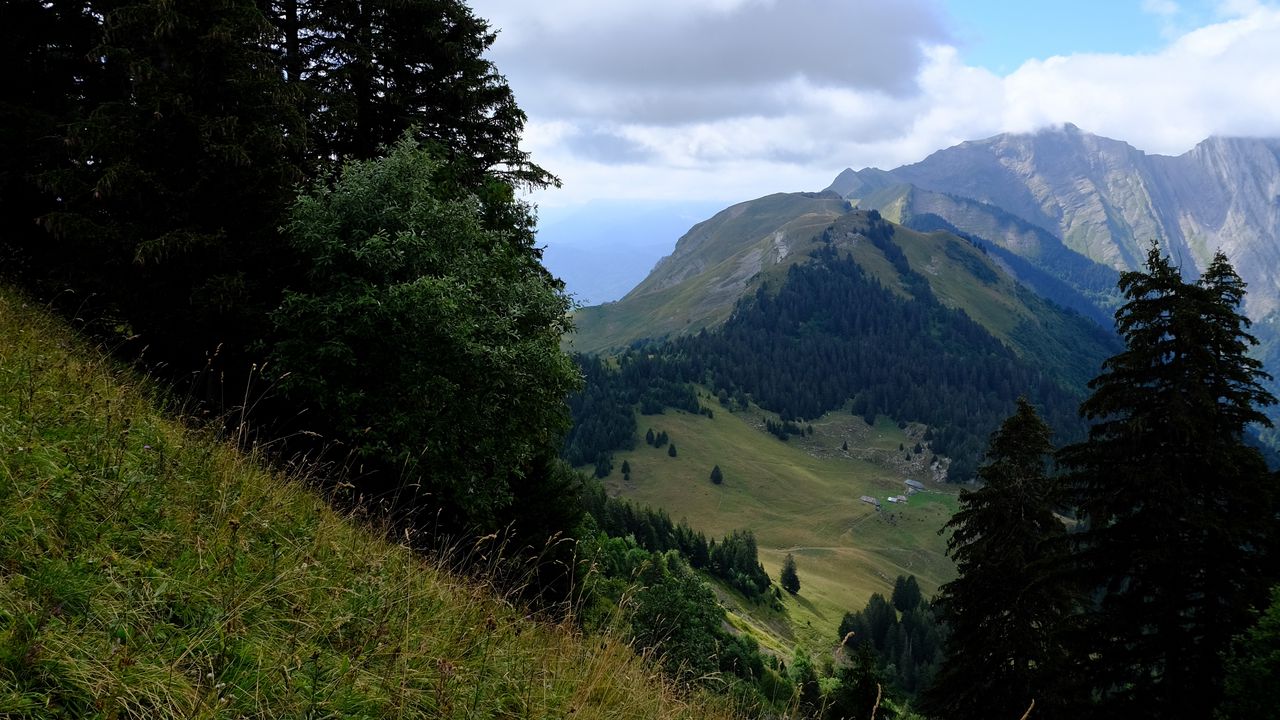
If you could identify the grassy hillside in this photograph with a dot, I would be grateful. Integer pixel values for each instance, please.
(800, 496)
(148, 572)
(711, 266)
(721, 260)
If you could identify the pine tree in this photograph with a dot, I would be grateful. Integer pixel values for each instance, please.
(671, 450)
(649, 437)
(862, 689)
(372, 70)
(789, 578)
(906, 593)
(1176, 507)
(717, 477)
(626, 467)
(1005, 606)
(181, 174)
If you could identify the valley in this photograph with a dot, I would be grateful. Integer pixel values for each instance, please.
(801, 496)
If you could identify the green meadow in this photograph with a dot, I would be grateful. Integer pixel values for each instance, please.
(800, 496)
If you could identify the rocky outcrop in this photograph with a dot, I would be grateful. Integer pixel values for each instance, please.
(1107, 200)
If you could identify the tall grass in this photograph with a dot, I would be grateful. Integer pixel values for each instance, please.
(149, 572)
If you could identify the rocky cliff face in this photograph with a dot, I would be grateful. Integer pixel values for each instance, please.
(1107, 200)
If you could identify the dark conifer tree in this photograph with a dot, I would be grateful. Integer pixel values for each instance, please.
(181, 167)
(649, 437)
(671, 450)
(1007, 603)
(717, 477)
(789, 578)
(1179, 512)
(862, 689)
(906, 593)
(370, 71)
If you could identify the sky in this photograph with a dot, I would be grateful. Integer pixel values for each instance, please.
(690, 105)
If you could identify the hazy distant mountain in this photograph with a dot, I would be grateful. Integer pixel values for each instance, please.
(1104, 199)
(602, 249)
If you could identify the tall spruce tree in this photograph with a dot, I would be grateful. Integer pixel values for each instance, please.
(1007, 602)
(182, 164)
(1178, 510)
(372, 70)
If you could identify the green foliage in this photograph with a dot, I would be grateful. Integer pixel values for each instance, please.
(1010, 601)
(671, 450)
(1253, 666)
(677, 614)
(909, 649)
(906, 593)
(368, 72)
(160, 144)
(1179, 512)
(736, 559)
(717, 476)
(652, 530)
(862, 689)
(427, 334)
(805, 677)
(672, 613)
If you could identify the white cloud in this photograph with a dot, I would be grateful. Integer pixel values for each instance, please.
(1218, 80)
(732, 99)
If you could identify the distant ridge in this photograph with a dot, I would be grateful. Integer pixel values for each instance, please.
(1106, 200)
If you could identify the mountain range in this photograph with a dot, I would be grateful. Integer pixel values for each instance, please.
(1060, 211)
(1101, 198)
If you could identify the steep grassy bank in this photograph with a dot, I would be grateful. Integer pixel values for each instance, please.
(148, 572)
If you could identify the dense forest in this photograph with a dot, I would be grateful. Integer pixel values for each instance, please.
(827, 337)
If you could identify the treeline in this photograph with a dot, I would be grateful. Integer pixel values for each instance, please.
(735, 559)
(829, 335)
(638, 563)
(603, 411)
(904, 633)
(784, 429)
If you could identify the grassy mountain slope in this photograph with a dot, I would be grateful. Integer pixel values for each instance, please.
(689, 290)
(800, 496)
(146, 571)
(909, 205)
(712, 265)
